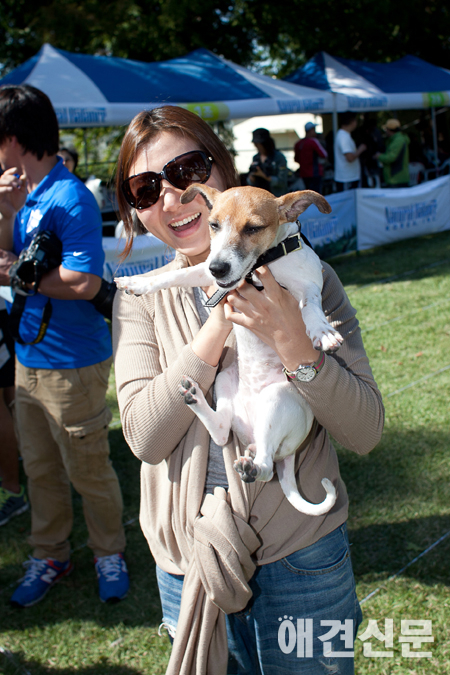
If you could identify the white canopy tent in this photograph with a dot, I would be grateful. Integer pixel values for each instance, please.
(93, 91)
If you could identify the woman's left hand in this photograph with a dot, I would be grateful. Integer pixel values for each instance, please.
(259, 172)
(274, 316)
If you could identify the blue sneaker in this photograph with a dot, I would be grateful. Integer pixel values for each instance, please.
(12, 504)
(38, 580)
(112, 575)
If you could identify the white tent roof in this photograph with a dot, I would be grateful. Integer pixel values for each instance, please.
(91, 91)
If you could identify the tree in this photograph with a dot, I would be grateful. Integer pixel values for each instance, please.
(271, 37)
(145, 30)
(363, 30)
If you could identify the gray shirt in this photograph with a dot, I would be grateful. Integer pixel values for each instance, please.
(216, 476)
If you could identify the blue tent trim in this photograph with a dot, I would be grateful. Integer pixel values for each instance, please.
(312, 74)
(198, 76)
(19, 74)
(407, 75)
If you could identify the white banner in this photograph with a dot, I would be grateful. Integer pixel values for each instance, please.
(387, 215)
(118, 114)
(334, 233)
(148, 253)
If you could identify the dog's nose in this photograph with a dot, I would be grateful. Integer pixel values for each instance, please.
(219, 268)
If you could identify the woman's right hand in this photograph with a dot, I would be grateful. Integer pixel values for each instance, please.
(217, 315)
(209, 342)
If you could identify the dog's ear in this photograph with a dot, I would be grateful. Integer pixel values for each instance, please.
(290, 206)
(209, 194)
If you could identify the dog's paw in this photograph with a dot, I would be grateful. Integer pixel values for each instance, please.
(328, 341)
(135, 285)
(246, 467)
(188, 390)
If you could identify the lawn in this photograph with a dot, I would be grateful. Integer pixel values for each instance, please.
(399, 501)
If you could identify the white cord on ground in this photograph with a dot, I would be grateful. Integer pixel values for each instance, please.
(399, 276)
(397, 574)
(413, 384)
(12, 660)
(402, 316)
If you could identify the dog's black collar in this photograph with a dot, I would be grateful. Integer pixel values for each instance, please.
(291, 243)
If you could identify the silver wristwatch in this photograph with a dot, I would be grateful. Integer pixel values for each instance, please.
(306, 373)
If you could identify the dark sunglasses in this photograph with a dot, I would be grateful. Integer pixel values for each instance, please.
(143, 189)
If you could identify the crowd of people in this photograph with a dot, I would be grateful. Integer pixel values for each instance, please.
(361, 155)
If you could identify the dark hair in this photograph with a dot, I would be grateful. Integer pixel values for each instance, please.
(347, 118)
(73, 153)
(182, 123)
(269, 146)
(27, 114)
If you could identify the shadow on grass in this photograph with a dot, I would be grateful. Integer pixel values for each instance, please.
(406, 475)
(128, 469)
(383, 549)
(382, 262)
(75, 598)
(399, 505)
(17, 664)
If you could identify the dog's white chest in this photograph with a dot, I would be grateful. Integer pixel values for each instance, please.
(258, 367)
(258, 364)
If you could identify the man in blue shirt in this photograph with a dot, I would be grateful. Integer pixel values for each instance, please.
(62, 363)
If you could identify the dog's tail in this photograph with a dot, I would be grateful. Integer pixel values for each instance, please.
(286, 476)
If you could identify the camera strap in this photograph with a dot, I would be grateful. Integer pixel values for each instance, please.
(16, 315)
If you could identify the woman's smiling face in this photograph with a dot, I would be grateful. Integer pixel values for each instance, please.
(183, 227)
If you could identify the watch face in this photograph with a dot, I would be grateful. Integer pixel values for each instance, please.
(306, 374)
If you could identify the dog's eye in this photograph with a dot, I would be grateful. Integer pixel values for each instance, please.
(214, 226)
(252, 229)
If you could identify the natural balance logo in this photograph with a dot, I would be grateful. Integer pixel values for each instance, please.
(411, 215)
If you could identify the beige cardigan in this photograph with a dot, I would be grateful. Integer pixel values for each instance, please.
(216, 540)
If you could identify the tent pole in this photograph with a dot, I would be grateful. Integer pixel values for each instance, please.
(335, 118)
(85, 154)
(435, 145)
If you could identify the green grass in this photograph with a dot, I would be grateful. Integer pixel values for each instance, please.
(399, 499)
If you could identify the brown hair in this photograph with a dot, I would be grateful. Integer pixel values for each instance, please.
(146, 126)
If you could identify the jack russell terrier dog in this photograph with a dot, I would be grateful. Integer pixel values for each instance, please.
(255, 397)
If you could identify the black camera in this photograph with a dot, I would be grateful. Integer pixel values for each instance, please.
(43, 254)
(103, 301)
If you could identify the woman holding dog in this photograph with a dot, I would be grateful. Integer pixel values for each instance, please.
(237, 565)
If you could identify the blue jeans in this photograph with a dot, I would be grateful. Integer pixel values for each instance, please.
(296, 601)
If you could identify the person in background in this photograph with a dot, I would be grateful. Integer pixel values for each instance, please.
(268, 169)
(395, 159)
(70, 158)
(371, 136)
(347, 167)
(62, 363)
(310, 154)
(13, 500)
